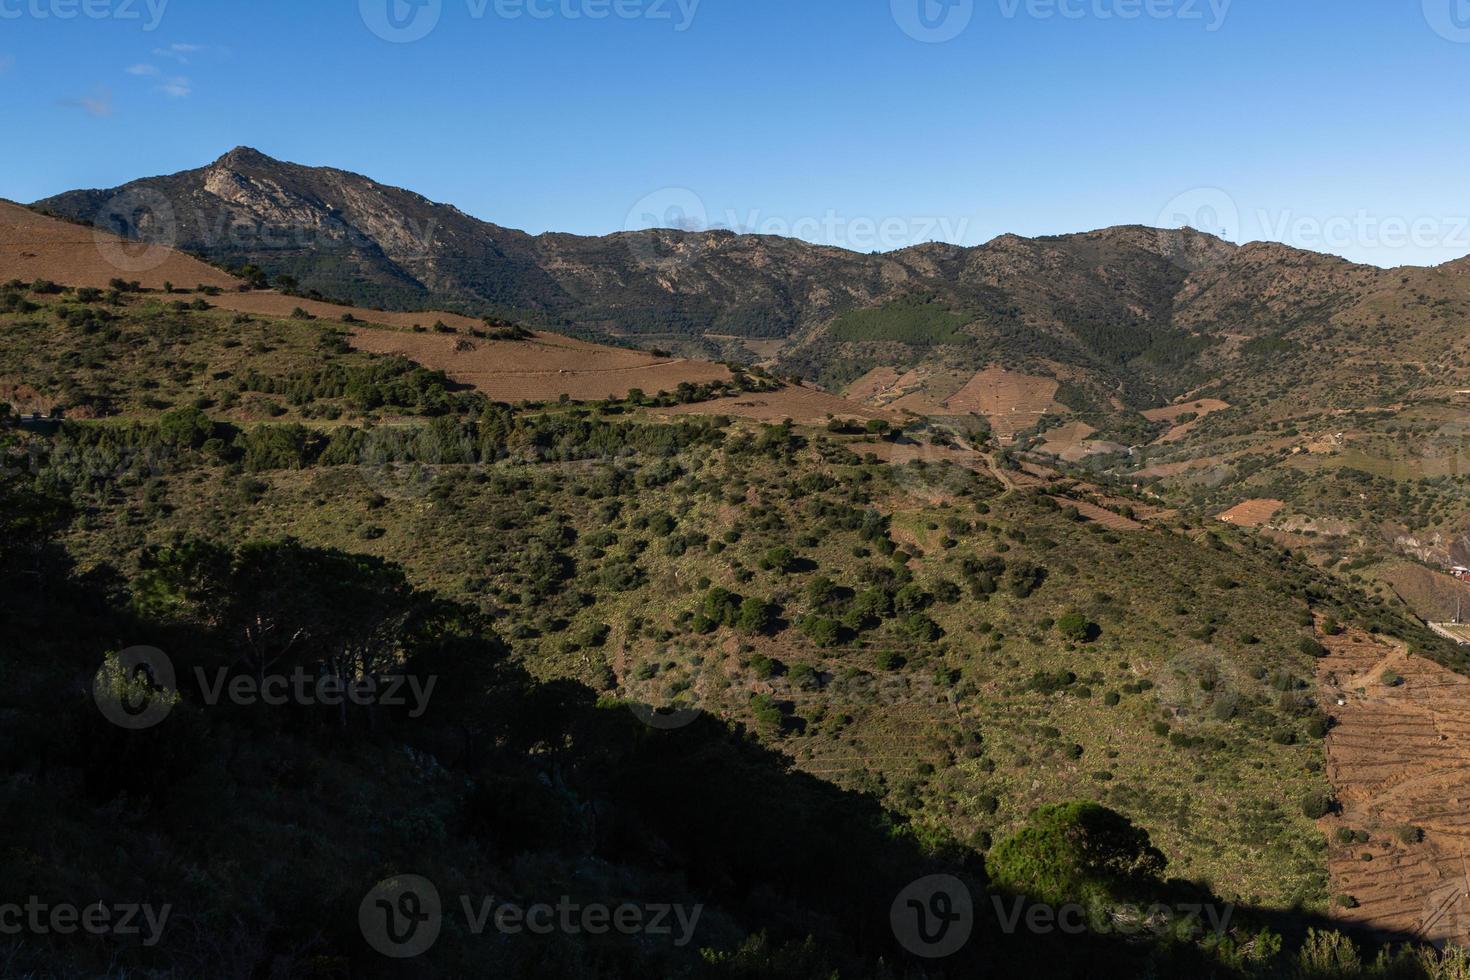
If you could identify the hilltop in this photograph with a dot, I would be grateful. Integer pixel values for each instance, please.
(905, 633)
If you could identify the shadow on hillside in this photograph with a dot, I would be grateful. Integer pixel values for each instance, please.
(514, 773)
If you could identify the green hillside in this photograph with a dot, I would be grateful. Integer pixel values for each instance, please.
(898, 662)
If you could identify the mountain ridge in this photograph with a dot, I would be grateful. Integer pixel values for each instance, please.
(1126, 312)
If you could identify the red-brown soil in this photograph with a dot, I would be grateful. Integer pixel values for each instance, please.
(1011, 401)
(808, 406)
(1252, 513)
(1398, 757)
(1200, 407)
(33, 246)
(543, 368)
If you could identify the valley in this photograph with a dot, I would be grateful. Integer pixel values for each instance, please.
(1021, 556)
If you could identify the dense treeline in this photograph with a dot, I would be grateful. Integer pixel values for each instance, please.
(388, 382)
(84, 454)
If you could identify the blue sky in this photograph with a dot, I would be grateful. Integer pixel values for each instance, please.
(1339, 125)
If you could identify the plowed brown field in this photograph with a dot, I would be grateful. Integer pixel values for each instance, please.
(1398, 757)
(1011, 401)
(1252, 513)
(33, 246)
(1201, 407)
(808, 406)
(540, 369)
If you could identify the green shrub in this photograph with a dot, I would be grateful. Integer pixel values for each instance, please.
(1076, 852)
(921, 628)
(766, 667)
(1076, 628)
(822, 631)
(1316, 804)
(756, 616)
(891, 660)
(779, 559)
(1311, 647)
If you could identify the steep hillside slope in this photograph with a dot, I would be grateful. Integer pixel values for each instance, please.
(1100, 301)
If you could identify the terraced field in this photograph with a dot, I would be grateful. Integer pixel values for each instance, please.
(1011, 401)
(1398, 758)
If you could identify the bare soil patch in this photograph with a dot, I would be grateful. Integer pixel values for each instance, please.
(1252, 513)
(1072, 444)
(808, 406)
(33, 246)
(1398, 757)
(268, 302)
(873, 385)
(1201, 407)
(1069, 441)
(1011, 401)
(1432, 595)
(1100, 515)
(541, 369)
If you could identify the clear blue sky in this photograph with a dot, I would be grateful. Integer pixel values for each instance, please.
(1310, 121)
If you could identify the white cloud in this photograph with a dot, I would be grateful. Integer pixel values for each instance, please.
(98, 105)
(142, 70)
(177, 87)
(179, 52)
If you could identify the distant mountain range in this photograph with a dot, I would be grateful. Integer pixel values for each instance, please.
(1127, 316)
